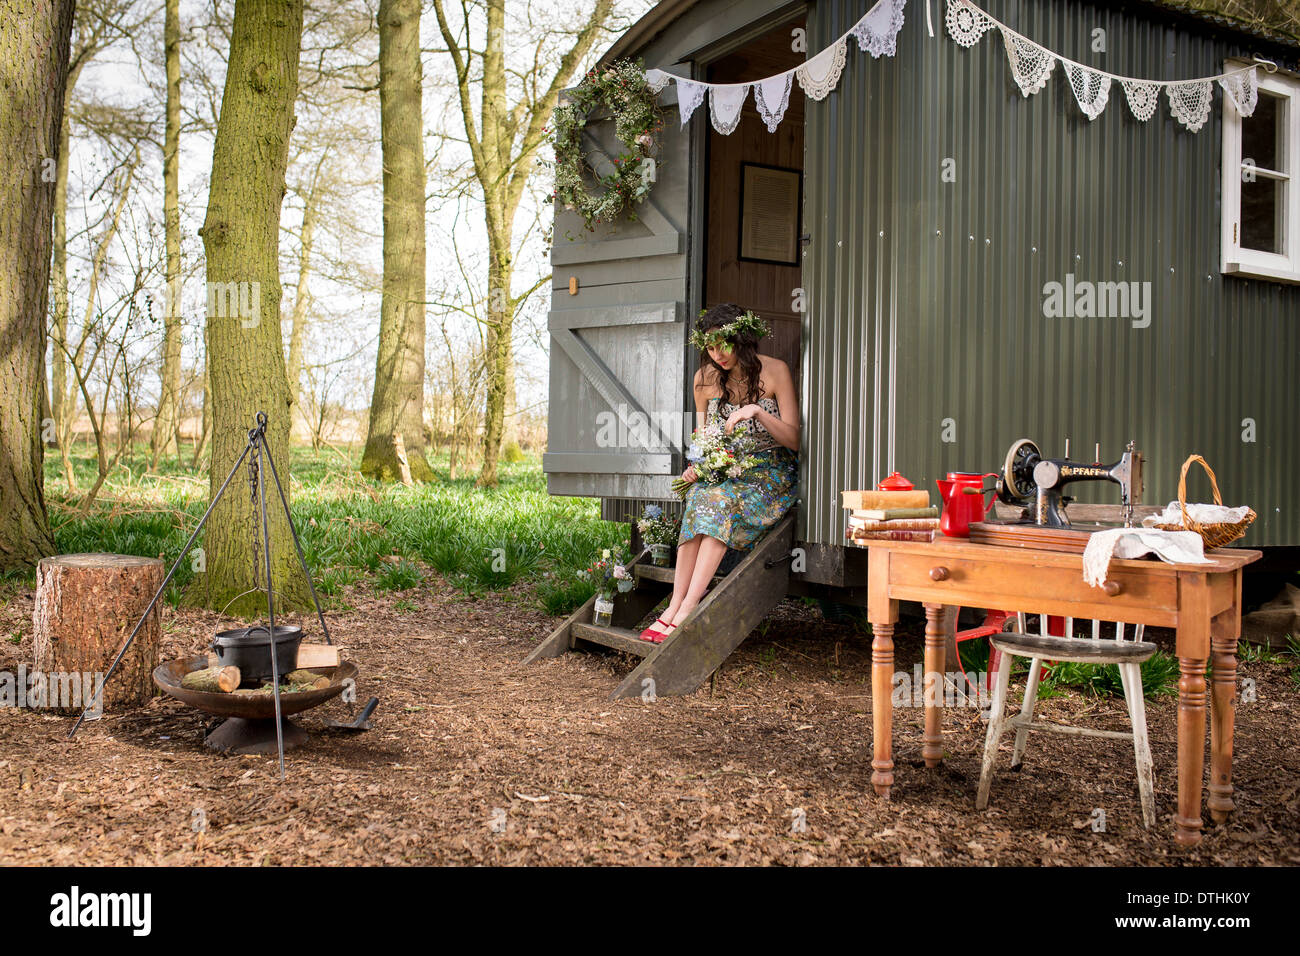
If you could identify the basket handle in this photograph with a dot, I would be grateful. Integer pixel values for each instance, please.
(1182, 486)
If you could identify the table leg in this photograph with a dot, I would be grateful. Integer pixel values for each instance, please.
(882, 716)
(932, 684)
(1191, 748)
(1224, 704)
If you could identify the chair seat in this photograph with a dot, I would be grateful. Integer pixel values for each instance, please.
(1073, 648)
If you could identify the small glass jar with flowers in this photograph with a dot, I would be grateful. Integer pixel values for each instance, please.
(610, 575)
(659, 532)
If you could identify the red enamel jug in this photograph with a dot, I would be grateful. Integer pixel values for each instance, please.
(963, 502)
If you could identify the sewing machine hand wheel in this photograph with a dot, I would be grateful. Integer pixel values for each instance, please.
(1016, 483)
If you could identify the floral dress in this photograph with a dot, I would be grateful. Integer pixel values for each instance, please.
(739, 510)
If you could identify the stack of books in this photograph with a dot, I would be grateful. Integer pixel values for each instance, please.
(890, 516)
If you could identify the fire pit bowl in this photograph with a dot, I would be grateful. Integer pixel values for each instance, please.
(252, 707)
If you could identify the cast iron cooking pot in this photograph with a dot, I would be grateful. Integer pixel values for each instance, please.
(248, 649)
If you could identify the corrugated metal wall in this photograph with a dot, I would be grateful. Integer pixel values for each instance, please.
(926, 296)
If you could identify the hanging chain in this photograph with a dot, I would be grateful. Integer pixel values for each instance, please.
(252, 510)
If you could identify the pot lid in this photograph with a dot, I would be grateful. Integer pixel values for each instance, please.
(249, 636)
(895, 482)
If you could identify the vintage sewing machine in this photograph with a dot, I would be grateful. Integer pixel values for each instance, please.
(1037, 484)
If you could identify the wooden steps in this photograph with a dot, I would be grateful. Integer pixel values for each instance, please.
(734, 605)
(665, 575)
(619, 638)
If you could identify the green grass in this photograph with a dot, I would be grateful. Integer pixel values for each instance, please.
(478, 539)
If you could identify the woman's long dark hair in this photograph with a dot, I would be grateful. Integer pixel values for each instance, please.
(745, 348)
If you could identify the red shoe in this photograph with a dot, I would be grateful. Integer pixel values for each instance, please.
(656, 637)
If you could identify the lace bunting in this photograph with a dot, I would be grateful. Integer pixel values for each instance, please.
(1091, 89)
(821, 74)
(1143, 98)
(689, 95)
(771, 97)
(877, 32)
(725, 104)
(1031, 64)
(1190, 102)
(966, 24)
(1243, 90)
(656, 80)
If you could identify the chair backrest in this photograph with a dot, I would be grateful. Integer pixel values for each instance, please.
(1022, 624)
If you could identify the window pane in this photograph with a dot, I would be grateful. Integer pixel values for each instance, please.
(1262, 202)
(1262, 134)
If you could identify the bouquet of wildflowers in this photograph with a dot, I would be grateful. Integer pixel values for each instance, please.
(718, 456)
(609, 573)
(656, 527)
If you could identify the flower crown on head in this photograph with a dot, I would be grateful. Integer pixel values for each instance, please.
(720, 337)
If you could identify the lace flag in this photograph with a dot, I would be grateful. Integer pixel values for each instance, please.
(876, 32)
(1243, 90)
(725, 104)
(772, 96)
(657, 80)
(821, 74)
(1143, 98)
(689, 95)
(1190, 102)
(1091, 89)
(967, 24)
(1031, 65)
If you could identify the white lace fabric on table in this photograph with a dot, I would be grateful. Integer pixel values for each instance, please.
(1201, 514)
(1174, 547)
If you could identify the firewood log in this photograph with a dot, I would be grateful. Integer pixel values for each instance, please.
(219, 680)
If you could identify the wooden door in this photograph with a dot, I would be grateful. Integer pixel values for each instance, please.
(617, 418)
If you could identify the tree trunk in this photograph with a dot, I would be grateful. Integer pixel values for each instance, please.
(241, 237)
(86, 608)
(166, 427)
(397, 404)
(499, 357)
(35, 44)
(301, 302)
(205, 418)
(510, 428)
(59, 399)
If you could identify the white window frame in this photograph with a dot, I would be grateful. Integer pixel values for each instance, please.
(1251, 262)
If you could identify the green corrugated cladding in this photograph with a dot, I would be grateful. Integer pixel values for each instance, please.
(937, 287)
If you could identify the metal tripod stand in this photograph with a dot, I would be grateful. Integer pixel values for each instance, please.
(258, 447)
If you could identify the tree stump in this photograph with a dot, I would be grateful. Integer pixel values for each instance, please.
(86, 606)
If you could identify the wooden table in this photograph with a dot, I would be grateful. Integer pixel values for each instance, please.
(1201, 601)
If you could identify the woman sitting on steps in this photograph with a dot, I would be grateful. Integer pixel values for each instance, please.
(738, 386)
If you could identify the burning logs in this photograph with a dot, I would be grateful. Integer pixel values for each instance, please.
(86, 606)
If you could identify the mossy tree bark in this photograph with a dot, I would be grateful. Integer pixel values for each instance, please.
(241, 237)
(166, 430)
(504, 141)
(302, 297)
(397, 404)
(35, 42)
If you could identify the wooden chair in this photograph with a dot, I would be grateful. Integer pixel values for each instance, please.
(1128, 655)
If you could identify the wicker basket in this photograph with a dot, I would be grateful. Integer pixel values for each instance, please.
(1217, 534)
